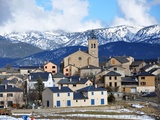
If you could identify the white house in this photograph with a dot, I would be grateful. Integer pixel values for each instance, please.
(57, 97)
(65, 97)
(45, 76)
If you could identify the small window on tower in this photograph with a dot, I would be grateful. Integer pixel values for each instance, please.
(91, 45)
(94, 45)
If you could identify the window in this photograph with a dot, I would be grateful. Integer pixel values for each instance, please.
(68, 94)
(79, 58)
(58, 103)
(110, 78)
(58, 94)
(113, 62)
(2, 102)
(53, 67)
(92, 93)
(143, 78)
(143, 83)
(110, 84)
(123, 89)
(1, 95)
(115, 69)
(9, 95)
(91, 45)
(66, 69)
(10, 103)
(84, 100)
(67, 74)
(76, 100)
(102, 101)
(102, 93)
(115, 77)
(53, 71)
(74, 85)
(115, 84)
(45, 67)
(94, 45)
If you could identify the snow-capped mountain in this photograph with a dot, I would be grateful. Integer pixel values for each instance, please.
(50, 40)
(149, 34)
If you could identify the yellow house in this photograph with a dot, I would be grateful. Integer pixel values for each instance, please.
(113, 80)
(146, 82)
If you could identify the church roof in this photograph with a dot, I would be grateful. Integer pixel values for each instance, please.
(90, 67)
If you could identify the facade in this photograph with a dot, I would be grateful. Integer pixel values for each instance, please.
(25, 70)
(57, 97)
(45, 76)
(146, 82)
(75, 82)
(56, 78)
(50, 67)
(65, 97)
(10, 96)
(117, 68)
(136, 66)
(80, 59)
(129, 84)
(122, 61)
(89, 71)
(113, 80)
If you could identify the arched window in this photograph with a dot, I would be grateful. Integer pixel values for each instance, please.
(91, 45)
(94, 45)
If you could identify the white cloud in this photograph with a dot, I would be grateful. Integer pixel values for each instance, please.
(22, 15)
(135, 12)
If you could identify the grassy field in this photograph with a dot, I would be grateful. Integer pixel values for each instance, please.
(79, 113)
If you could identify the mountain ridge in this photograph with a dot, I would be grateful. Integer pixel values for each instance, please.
(50, 40)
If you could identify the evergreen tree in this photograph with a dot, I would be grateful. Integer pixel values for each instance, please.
(39, 86)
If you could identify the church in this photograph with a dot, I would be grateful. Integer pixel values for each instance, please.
(79, 59)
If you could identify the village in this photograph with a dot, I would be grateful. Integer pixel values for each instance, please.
(80, 80)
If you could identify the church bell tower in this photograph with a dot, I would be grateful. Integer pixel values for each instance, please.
(93, 45)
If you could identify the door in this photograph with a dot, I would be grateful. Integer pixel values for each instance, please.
(47, 103)
(58, 103)
(92, 101)
(102, 101)
(68, 103)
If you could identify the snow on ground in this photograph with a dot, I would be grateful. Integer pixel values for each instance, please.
(140, 116)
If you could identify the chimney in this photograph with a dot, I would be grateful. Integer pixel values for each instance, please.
(5, 87)
(59, 87)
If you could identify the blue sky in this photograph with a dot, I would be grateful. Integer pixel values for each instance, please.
(76, 15)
